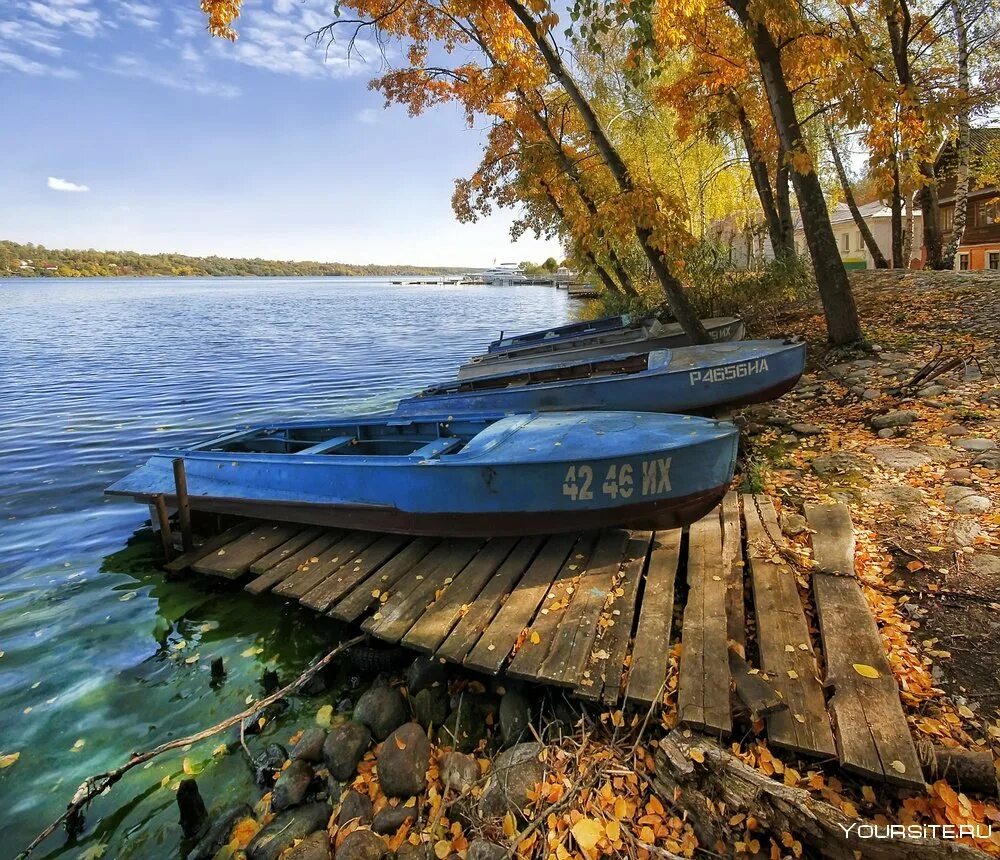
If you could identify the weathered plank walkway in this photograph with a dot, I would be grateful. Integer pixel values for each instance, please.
(594, 613)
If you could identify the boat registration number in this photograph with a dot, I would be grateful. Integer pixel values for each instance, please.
(619, 482)
(729, 372)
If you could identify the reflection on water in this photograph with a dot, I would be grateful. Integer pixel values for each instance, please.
(99, 656)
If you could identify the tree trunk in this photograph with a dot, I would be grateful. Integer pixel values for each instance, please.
(896, 219)
(866, 234)
(963, 142)
(842, 323)
(908, 231)
(783, 199)
(929, 214)
(762, 182)
(681, 307)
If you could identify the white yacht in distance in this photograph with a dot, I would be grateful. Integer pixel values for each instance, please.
(504, 275)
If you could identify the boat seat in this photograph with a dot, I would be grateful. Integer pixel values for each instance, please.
(438, 447)
(328, 445)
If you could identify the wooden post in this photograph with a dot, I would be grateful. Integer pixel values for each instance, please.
(163, 522)
(183, 504)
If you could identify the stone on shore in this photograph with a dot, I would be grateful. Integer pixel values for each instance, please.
(267, 762)
(896, 418)
(425, 672)
(793, 524)
(985, 565)
(344, 748)
(403, 761)
(316, 846)
(838, 462)
(363, 845)
(515, 772)
(430, 706)
(382, 709)
(286, 828)
(310, 745)
(460, 771)
(988, 460)
(515, 716)
(355, 805)
(965, 500)
(390, 818)
(482, 849)
(219, 832)
(291, 787)
(408, 851)
(900, 459)
(977, 446)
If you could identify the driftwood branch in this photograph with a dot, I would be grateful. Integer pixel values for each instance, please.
(98, 784)
(723, 782)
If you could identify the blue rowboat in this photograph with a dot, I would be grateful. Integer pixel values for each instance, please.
(479, 475)
(689, 379)
(545, 348)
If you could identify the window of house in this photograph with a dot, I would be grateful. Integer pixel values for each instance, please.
(845, 241)
(986, 213)
(947, 218)
(993, 260)
(963, 262)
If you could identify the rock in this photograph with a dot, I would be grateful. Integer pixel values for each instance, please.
(793, 524)
(193, 814)
(465, 726)
(362, 845)
(459, 770)
(292, 785)
(838, 462)
(425, 672)
(896, 418)
(955, 430)
(515, 717)
(976, 445)
(344, 748)
(900, 459)
(355, 805)
(984, 564)
(310, 745)
(390, 818)
(963, 532)
(286, 828)
(988, 460)
(403, 761)
(807, 429)
(424, 851)
(430, 706)
(931, 391)
(515, 772)
(316, 846)
(219, 831)
(886, 433)
(937, 453)
(382, 709)
(481, 849)
(909, 502)
(267, 762)
(871, 394)
(964, 500)
(788, 438)
(958, 474)
(991, 397)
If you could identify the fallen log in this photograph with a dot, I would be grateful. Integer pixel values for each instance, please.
(967, 770)
(711, 792)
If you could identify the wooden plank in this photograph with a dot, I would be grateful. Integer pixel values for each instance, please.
(732, 564)
(832, 538)
(703, 683)
(332, 560)
(234, 559)
(351, 572)
(366, 593)
(564, 664)
(873, 737)
(651, 648)
(301, 560)
(607, 657)
(501, 635)
(431, 628)
(541, 633)
(471, 625)
(183, 562)
(397, 615)
(755, 692)
(786, 652)
(289, 547)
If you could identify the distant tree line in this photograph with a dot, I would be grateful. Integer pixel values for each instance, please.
(32, 260)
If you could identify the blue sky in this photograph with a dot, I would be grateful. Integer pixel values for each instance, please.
(127, 127)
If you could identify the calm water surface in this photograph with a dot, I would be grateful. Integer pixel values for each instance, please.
(98, 655)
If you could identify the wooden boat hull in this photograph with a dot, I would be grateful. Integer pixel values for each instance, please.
(618, 341)
(685, 380)
(525, 474)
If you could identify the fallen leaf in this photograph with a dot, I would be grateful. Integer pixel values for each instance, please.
(587, 832)
(866, 671)
(9, 759)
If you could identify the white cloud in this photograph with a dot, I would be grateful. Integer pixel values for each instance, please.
(80, 16)
(65, 185)
(140, 14)
(186, 77)
(368, 116)
(31, 34)
(25, 65)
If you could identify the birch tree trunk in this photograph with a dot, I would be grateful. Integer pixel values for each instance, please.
(962, 144)
(908, 231)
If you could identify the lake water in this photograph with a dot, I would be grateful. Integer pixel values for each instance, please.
(99, 656)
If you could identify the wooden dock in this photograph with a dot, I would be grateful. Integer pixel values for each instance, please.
(594, 613)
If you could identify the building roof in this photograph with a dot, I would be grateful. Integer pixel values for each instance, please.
(841, 213)
(981, 141)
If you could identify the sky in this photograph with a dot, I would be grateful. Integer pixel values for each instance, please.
(127, 127)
